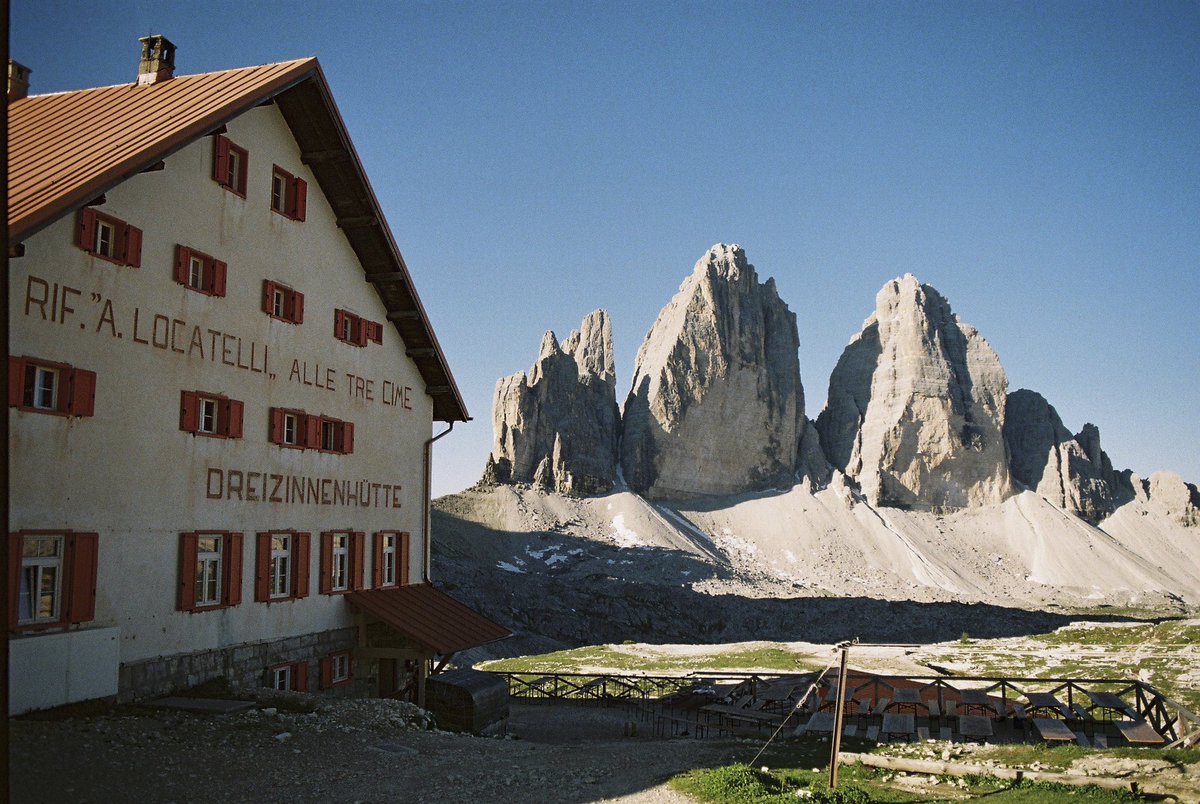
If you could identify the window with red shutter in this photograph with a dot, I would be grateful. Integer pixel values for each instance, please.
(289, 194)
(213, 415)
(358, 552)
(187, 571)
(199, 272)
(210, 570)
(108, 238)
(326, 672)
(353, 329)
(229, 165)
(299, 198)
(262, 567)
(42, 386)
(300, 676)
(282, 302)
(131, 246)
(302, 564)
(232, 592)
(52, 578)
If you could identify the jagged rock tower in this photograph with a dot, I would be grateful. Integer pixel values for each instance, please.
(557, 429)
(716, 405)
(916, 406)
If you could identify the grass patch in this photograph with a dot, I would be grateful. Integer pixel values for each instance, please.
(597, 658)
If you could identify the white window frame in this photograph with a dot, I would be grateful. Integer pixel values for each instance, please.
(278, 303)
(234, 169)
(279, 188)
(281, 565)
(209, 566)
(207, 415)
(281, 678)
(329, 435)
(341, 668)
(106, 239)
(292, 436)
(339, 569)
(390, 543)
(33, 579)
(36, 378)
(196, 272)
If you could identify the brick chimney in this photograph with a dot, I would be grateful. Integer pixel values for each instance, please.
(158, 60)
(18, 81)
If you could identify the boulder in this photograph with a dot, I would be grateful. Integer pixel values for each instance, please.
(716, 405)
(915, 409)
(557, 428)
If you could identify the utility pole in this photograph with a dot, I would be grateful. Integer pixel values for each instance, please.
(839, 712)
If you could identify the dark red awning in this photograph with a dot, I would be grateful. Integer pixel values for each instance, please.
(429, 616)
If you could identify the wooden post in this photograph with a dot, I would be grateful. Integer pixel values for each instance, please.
(839, 711)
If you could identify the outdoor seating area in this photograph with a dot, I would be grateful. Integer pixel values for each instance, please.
(1094, 713)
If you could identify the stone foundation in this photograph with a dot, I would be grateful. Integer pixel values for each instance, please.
(244, 666)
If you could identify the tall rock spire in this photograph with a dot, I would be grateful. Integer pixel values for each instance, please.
(557, 428)
(916, 406)
(716, 405)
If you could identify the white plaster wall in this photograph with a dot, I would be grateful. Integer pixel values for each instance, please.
(54, 669)
(129, 472)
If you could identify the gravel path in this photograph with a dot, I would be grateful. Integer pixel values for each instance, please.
(348, 751)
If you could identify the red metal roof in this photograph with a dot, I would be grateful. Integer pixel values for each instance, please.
(69, 148)
(429, 616)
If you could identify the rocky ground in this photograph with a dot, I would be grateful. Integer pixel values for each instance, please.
(380, 751)
(364, 750)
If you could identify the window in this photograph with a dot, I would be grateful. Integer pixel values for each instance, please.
(295, 428)
(46, 387)
(199, 272)
(280, 301)
(109, 238)
(229, 165)
(281, 566)
(289, 194)
(335, 670)
(210, 414)
(341, 561)
(291, 677)
(51, 578)
(390, 567)
(210, 570)
(354, 329)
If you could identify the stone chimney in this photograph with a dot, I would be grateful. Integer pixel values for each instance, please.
(158, 60)
(18, 81)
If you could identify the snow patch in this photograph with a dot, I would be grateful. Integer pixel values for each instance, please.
(625, 537)
(504, 565)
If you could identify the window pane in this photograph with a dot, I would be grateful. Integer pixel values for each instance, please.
(47, 594)
(29, 577)
(33, 546)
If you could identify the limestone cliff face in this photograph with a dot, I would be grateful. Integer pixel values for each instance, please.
(558, 427)
(716, 405)
(916, 406)
(1072, 472)
(1178, 499)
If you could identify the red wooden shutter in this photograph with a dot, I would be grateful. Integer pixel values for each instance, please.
(83, 393)
(300, 676)
(131, 246)
(262, 567)
(276, 434)
(377, 560)
(217, 278)
(80, 589)
(300, 557)
(296, 316)
(376, 333)
(326, 566)
(85, 230)
(299, 198)
(188, 544)
(268, 297)
(183, 260)
(221, 160)
(231, 417)
(189, 411)
(16, 380)
(14, 576)
(338, 316)
(312, 432)
(326, 672)
(347, 437)
(357, 553)
(231, 595)
(361, 331)
(402, 558)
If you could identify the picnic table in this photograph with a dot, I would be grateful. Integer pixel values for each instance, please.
(1139, 732)
(831, 697)
(1052, 730)
(819, 722)
(732, 713)
(976, 702)
(1111, 706)
(975, 726)
(908, 700)
(1044, 704)
(898, 725)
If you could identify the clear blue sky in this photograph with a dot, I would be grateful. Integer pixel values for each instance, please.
(1038, 163)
